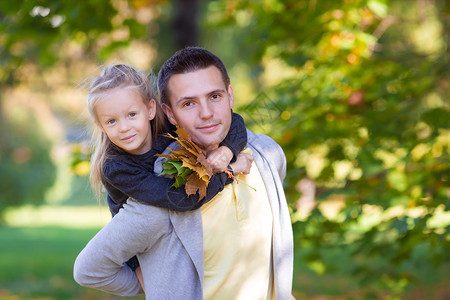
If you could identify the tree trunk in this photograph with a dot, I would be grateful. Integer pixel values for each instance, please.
(185, 23)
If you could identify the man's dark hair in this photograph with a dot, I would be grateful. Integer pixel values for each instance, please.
(187, 60)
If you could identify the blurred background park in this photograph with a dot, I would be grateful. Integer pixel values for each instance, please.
(355, 91)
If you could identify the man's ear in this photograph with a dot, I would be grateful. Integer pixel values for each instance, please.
(231, 96)
(168, 111)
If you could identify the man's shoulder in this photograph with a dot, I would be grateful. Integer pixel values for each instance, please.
(158, 168)
(140, 212)
(267, 148)
(262, 141)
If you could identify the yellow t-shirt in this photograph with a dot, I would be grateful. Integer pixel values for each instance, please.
(237, 241)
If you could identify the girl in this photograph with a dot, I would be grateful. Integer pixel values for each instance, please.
(126, 138)
(128, 123)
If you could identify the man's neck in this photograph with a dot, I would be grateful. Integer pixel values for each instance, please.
(207, 150)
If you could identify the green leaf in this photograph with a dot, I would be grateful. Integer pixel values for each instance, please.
(378, 7)
(179, 181)
(174, 168)
(176, 164)
(170, 168)
(184, 172)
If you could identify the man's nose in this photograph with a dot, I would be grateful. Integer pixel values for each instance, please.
(206, 111)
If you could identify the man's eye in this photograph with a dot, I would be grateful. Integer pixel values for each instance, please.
(215, 97)
(187, 104)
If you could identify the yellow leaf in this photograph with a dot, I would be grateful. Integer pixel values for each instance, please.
(183, 134)
(189, 165)
(194, 184)
(201, 159)
(192, 157)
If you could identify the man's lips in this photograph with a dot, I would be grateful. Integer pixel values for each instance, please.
(208, 127)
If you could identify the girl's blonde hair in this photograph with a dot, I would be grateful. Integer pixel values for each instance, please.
(113, 77)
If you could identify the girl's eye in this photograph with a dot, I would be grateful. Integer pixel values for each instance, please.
(111, 122)
(132, 114)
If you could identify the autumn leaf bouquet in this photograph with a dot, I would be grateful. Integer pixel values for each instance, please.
(188, 165)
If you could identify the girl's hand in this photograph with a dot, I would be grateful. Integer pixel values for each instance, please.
(220, 158)
(138, 272)
(242, 164)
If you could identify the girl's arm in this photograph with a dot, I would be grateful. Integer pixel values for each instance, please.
(152, 189)
(236, 139)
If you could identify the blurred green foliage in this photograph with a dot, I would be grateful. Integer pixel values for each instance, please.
(34, 31)
(26, 168)
(360, 106)
(355, 91)
(36, 37)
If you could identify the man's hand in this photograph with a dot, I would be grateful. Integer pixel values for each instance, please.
(242, 164)
(220, 158)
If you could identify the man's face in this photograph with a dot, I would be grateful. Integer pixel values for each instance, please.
(201, 103)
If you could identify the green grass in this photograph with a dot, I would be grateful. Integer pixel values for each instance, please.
(36, 263)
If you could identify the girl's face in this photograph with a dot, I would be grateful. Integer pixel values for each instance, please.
(125, 119)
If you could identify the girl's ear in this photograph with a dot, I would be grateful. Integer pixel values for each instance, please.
(151, 109)
(168, 111)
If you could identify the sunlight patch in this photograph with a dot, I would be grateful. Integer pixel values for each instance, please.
(64, 216)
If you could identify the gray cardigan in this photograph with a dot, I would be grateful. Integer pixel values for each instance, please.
(169, 245)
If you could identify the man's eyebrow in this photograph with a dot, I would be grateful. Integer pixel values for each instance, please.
(195, 97)
(217, 91)
(184, 98)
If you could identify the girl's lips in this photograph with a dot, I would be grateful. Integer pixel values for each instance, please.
(128, 138)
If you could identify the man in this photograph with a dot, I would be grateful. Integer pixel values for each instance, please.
(238, 246)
